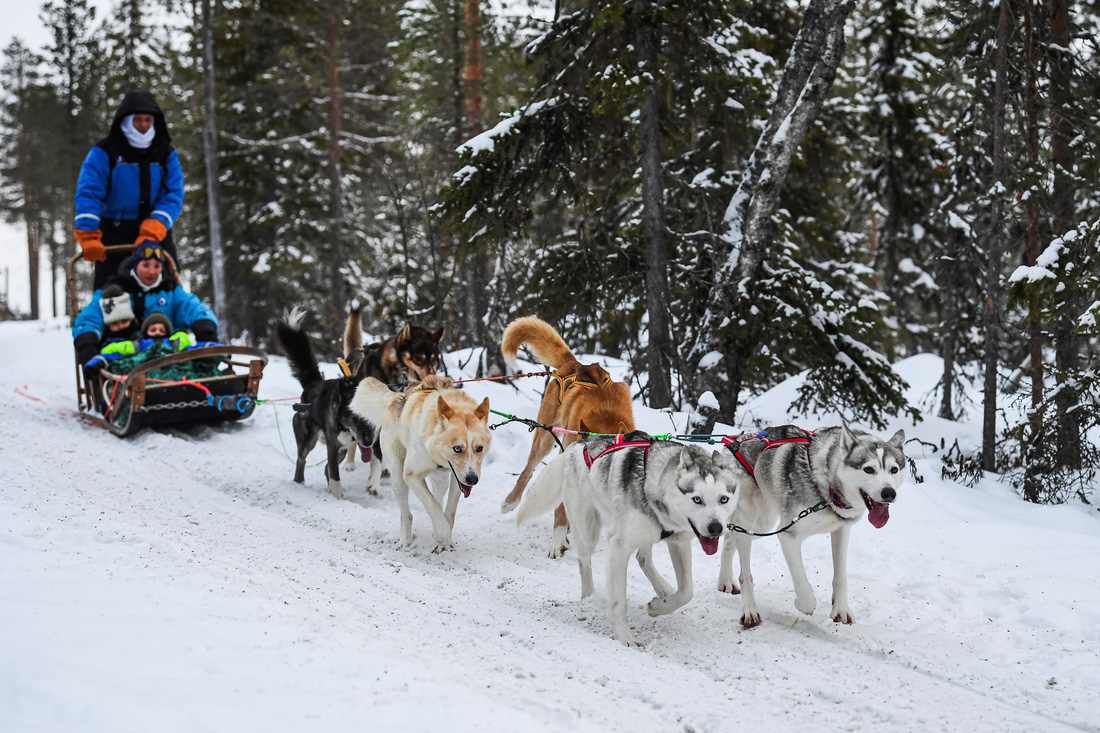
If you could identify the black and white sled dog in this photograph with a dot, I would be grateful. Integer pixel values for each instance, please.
(324, 412)
(643, 491)
(851, 473)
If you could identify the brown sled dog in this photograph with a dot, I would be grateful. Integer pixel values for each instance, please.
(411, 355)
(578, 397)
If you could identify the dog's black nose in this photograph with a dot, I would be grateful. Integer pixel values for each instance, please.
(471, 479)
(888, 495)
(714, 528)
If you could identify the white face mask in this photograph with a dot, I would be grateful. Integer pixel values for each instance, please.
(135, 138)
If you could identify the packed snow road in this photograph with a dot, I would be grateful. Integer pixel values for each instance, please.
(180, 581)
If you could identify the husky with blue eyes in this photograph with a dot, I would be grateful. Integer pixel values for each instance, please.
(845, 474)
(642, 491)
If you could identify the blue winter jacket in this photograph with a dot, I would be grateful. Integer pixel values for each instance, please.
(93, 202)
(181, 307)
(110, 182)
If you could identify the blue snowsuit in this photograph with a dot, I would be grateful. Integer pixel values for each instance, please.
(185, 310)
(125, 192)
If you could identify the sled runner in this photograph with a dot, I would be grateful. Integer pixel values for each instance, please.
(140, 398)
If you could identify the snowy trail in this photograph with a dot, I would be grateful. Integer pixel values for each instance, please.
(180, 581)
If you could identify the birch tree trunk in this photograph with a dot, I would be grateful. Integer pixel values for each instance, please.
(659, 348)
(210, 152)
(994, 290)
(717, 358)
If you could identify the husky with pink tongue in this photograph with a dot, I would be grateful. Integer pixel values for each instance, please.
(841, 474)
(641, 491)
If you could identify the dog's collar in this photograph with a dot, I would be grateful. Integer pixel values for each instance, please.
(834, 498)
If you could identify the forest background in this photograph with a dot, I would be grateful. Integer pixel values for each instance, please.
(723, 192)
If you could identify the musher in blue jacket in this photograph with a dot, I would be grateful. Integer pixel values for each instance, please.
(130, 187)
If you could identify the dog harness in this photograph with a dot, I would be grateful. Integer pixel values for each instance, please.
(621, 443)
(570, 380)
(734, 444)
(618, 444)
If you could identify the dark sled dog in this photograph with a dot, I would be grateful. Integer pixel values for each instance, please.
(324, 412)
(410, 356)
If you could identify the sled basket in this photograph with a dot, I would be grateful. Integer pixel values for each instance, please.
(136, 400)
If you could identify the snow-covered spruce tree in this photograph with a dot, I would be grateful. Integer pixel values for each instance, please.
(763, 297)
(898, 61)
(564, 170)
(459, 68)
(963, 158)
(1065, 274)
(285, 219)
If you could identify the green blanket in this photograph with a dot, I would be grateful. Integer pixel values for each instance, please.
(194, 369)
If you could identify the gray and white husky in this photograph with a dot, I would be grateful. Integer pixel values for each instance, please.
(853, 473)
(643, 491)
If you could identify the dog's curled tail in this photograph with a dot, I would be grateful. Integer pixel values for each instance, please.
(353, 331)
(298, 349)
(545, 492)
(548, 346)
(372, 399)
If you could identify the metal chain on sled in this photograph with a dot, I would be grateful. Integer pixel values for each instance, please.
(824, 503)
(172, 406)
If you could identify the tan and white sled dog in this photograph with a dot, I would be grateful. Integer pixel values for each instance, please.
(577, 393)
(431, 430)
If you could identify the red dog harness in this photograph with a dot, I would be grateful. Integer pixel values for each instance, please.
(734, 444)
(619, 443)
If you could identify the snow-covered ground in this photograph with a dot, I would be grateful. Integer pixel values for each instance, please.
(180, 581)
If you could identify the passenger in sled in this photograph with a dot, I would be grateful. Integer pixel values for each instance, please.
(143, 286)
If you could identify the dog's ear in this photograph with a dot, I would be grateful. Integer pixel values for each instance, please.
(446, 412)
(622, 428)
(405, 334)
(686, 459)
(848, 436)
(482, 410)
(723, 459)
(438, 336)
(898, 441)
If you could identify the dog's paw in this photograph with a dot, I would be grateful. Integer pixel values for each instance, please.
(442, 546)
(842, 615)
(629, 640)
(508, 505)
(750, 619)
(659, 607)
(349, 465)
(558, 551)
(372, 491)
(336, 489)
(727, 585)
(805, 604)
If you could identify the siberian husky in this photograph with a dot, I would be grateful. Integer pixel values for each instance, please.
(431, 430)
(850, 473)
(643, 491)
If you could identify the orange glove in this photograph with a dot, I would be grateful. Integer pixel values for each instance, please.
(152, 229)
(92, 244)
